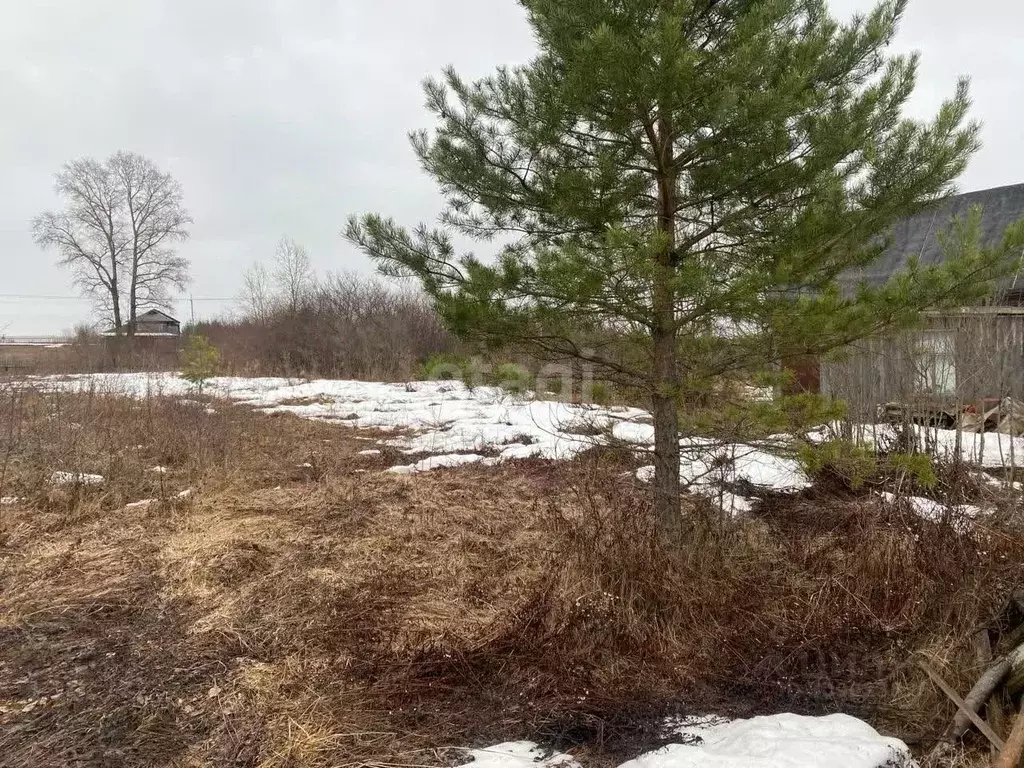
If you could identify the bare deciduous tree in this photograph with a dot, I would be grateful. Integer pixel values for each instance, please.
(293, 272)
(256, 297)
(118, 230)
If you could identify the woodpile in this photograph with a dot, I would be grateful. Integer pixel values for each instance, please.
(989, 705)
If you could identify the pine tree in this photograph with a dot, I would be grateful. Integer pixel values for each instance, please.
(673, 188)
(199, 361)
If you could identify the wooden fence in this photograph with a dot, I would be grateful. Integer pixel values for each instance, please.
(960, 358)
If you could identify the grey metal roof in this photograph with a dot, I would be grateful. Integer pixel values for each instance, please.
(917, 235)
(155, 315)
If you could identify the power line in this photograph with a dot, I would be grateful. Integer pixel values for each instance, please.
(40, 297)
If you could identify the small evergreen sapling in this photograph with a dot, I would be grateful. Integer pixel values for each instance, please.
(199, 361)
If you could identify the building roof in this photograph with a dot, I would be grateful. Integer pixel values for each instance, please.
(917, 235)
(155, 316)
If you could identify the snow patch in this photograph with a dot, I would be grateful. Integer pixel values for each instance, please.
(371, 452)
(75, 478)
(991, 450)
(933, 510)
(140, 504)
(6, 501)
(634, 433)
(517, 754)
(707, 467)
(776, 741)
(518, 451)
(437, 462)
(780, 741)
(445, 417)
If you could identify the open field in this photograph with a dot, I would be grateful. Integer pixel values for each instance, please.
(29, 358)
(279, 599)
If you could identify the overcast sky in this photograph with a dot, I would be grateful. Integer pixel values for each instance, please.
(282, 117)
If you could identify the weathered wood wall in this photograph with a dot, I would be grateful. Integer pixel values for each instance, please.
(986, 349)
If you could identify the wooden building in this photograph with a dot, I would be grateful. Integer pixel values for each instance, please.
(151, 323)
(957, 359)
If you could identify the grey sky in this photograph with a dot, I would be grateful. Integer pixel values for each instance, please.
(282, 117)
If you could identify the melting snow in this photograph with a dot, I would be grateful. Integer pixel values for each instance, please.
(781, 741)
(140, 504)
(455, 425)
(445, 416)
(778, 741)
(990, 450)
(930, 509)
(7, 501)
(371, 452)
(517, 754)
(708, 466)
(75, 478)
(437, 462)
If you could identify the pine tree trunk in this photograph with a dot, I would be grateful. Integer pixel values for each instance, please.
(666, 438)
(665, 337)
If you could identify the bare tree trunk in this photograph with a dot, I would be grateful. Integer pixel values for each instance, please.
(115, 299)
(132, 305)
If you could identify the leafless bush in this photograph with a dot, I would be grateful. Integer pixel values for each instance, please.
(344, 326)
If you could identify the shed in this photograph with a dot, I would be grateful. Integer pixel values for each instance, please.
(155, 321)
(956, 359)
(152, 323)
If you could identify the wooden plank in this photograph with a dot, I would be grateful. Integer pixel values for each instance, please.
(955, 697)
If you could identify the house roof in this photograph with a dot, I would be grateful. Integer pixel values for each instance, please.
(155, 316)
(917, 235)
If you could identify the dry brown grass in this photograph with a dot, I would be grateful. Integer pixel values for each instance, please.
(294, 615)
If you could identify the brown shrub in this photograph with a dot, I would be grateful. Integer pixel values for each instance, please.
(345, 326)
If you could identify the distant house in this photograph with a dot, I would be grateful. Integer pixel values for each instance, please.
(960, 359)
(152, 323)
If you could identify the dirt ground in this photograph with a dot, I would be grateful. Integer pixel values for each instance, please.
(283, 602)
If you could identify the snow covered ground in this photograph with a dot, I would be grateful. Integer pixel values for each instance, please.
(455, 426)
(778, 741)
(443, 418)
